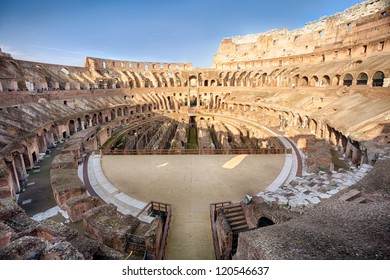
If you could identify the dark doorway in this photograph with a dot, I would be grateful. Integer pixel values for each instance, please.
(264, 222)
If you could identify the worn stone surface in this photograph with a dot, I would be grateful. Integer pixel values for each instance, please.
(225, 236)
(110, 227)
(65, 185)
(50, 230)
(332, 230)
(5, 235)
(24, 248)
(8, 208)
(78, 205)
(64, 161)
(61, 251)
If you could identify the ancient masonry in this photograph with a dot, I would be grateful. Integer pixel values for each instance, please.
(319, 94)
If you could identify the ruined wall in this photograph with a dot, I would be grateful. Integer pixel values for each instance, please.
(102, 63)
(359, 31)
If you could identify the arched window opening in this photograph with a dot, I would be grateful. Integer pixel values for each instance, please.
(377, 79)
(65, 71)
(347, 80)
(362, 79)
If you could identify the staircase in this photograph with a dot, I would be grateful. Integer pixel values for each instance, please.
(353, 196)
(236, 218)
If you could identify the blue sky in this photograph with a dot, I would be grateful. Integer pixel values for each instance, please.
(64, 32)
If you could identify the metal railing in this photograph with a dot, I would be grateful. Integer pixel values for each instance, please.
(199, 152)
(154, 206)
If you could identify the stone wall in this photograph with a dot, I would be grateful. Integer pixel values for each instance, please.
(225, 236)
(356, 32)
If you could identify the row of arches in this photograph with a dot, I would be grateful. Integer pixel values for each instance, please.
(174, 101)
(25, 155)
(102, 117)
(282, 78)
(352, 149)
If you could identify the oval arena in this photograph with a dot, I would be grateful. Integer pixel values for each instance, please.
(280, 150)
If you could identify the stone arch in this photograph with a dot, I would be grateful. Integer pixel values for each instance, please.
(377, 79)
(87, 121)
(348, 79)
(336, 80)
(314, 81)
(362, 79)
(325, 81)
(193, 81)
(113, 114)
(78, 125)
(119, 112)
(200, 79)
(100, 118)
(264, 222)
(178, 80)
(48, 138)
(55, 131)
(295, 80)
(72, 128)
(28, 163)
(263, 79)
(304, 81)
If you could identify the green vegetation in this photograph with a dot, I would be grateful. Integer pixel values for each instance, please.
(193, 138)
(120, 144)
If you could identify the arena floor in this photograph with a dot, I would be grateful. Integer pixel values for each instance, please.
(190, 183)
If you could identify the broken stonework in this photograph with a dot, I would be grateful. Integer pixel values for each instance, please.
(110, 227)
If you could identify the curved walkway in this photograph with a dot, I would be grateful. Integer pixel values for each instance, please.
(110, 194)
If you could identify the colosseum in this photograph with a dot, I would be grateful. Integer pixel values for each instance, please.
(280, 150)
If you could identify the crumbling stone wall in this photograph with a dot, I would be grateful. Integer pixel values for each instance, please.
(225, 236)
(111, 228)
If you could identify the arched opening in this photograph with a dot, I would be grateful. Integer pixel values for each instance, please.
(264, 222)
(100, 118)
(377, 79)
(193, 81)
(314, 81)
(295, 80)
(71, 127)
(347, 81)
(65, 71)
(34, 157)
(362, 79)
(87, 120)
(78, 124)
(325, 81)
(304, 81)
(112, 114)
(193, 101)
(336, 80)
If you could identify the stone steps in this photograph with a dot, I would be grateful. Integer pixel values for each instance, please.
(236, 217)
(351, 195)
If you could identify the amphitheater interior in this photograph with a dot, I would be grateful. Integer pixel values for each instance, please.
(318, 96)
